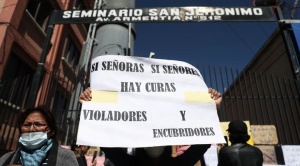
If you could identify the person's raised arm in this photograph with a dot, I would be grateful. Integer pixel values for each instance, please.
(86, 95)
(217, 96)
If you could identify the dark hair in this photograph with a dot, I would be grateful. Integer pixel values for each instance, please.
(46, 114)
(238, 138)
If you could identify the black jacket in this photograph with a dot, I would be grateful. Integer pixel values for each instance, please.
(82, 160)
(240, 155)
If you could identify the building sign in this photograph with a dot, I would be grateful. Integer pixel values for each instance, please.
(167, 14)
(142, 102)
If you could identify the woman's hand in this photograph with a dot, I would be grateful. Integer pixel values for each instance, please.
(217, 96)
(86, 95)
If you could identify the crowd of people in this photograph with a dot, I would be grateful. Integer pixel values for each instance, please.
(38, 145)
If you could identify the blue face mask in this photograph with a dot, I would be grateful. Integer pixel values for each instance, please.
(33, 140)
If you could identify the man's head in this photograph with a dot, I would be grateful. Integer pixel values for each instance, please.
(237, 127)
(238, 132)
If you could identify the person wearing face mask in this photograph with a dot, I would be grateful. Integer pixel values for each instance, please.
(37, 143)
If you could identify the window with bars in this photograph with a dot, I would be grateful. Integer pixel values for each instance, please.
(79, 4)
(40, 10)
(71, 53)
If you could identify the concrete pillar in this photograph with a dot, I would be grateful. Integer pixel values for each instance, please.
(116, 38)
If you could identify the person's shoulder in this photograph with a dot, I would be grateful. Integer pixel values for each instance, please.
(5, 157)
(66, 157)
(256, 148)
(253, 147)
(64, 151)
(231, 148)
(8, 154)
(225, 149)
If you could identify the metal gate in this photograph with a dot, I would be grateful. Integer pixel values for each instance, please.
(262, 99)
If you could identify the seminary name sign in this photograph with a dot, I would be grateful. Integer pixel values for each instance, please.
(142, 102)
(167, 14)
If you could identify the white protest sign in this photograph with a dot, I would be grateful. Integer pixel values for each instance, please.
(211, 156)
(143, 102)
(291, 154)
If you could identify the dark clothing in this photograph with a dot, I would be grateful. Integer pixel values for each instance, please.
(240, 155)
(82, 160)
(56, 156)
(190, 157)
(117, 157)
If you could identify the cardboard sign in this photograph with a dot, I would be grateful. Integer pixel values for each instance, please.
(269, 154)
(264, 134)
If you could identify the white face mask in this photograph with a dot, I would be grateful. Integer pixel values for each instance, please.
(33, 140)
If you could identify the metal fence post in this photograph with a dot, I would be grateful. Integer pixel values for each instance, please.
(40, 68)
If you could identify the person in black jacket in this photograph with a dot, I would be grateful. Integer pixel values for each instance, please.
(239, 153)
